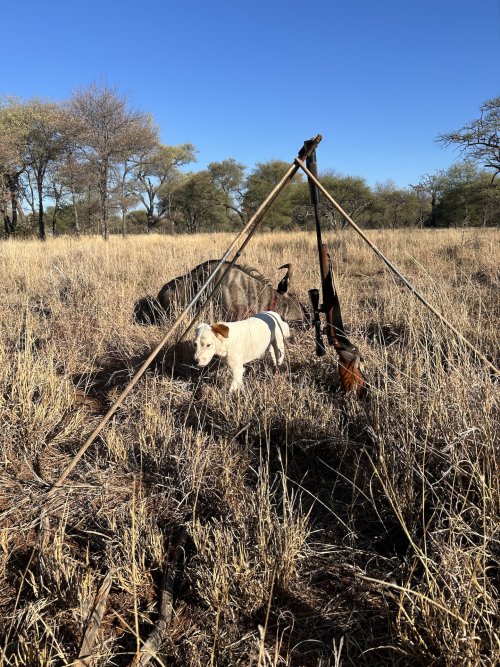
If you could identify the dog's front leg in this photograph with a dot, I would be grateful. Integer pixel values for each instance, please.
(237, 372)
(272, 352)
(278, 351)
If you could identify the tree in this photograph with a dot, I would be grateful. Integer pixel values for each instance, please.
(396, 207)
(423, 204)
(468, 198)
(351, 192)
(461, 195)
(195, 198)
(155, 174)
(259, 184)
(124, 197)
(79, 182)
(479, 140)
(106, 134)
(56, 191)
(433, 186)
(228, 179)
(45, 142)
(39, 139)
(205, 200)
(12, 135)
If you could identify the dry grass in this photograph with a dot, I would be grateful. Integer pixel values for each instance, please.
(321, 531)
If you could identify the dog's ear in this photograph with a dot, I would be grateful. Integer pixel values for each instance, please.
(220, 329)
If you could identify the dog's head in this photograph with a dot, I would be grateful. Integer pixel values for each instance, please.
(209, 341)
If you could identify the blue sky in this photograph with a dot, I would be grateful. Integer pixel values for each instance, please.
(251, 80)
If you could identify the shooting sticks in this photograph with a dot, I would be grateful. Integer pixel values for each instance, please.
(351, 376)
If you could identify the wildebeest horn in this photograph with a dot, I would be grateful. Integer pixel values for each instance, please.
(284, 283)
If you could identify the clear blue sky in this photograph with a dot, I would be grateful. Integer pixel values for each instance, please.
(251, 80)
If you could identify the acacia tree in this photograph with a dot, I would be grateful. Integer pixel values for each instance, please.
(351, 192)
(259, 184)
(9, 197)
(433, 186)
(154, 176)
(396, 207)
(122, 194)
(468, 197)
(77, 180)
(38, 139)
(461, 195)
(57, 191)
(423, 204)
(45, 143)
(107, 133)
(479, 140)
(194, 199)
(228, 179)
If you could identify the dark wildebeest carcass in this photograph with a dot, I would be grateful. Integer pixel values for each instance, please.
(243, 293)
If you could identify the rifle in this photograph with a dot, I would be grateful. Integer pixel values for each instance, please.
(349, 359)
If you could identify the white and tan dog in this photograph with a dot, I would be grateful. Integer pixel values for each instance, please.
(237, 343)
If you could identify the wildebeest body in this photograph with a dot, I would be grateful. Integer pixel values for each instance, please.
(242, 293)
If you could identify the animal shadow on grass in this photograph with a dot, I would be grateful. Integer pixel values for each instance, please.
(320, 471)
(342, 517)
(175, 362)
(309, 636)
(385, 334)
(324, 471)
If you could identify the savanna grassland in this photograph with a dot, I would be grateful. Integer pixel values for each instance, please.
(314, 529)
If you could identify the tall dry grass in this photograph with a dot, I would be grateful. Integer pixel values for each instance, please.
(320, 530)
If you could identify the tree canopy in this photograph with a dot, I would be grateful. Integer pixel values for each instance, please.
(94, 164)
(479, 140)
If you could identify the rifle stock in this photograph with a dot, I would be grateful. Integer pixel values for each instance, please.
(349, 359)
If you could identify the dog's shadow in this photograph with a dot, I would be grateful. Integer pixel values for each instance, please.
(176, 362)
